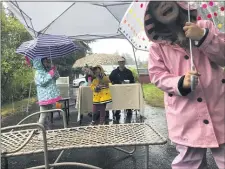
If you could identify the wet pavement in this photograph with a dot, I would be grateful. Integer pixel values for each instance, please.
(160, 157)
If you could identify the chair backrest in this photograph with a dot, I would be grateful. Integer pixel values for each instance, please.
(63, 86)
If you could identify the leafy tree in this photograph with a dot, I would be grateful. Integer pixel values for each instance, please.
(15, 76)
(135, 74)
(65, 64)
(77, 71)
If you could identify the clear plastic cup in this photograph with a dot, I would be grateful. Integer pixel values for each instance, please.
(127, 81)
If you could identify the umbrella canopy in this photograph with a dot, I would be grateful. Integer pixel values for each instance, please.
(47, 46)
(80, 20)
(97, 59)
(132, 24)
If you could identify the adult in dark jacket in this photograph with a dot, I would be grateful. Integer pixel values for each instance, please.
(121, 73)
(118, 76)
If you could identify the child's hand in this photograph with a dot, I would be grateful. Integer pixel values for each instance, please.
(102, 85)
(97, 89)
(52, 72)
(101, 75)
(193, 31)
(187, 79)
(54, 67)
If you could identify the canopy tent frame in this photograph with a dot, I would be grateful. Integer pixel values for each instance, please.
(22, 14)
(97, 37)
(36, 33)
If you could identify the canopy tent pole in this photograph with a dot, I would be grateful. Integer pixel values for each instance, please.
(28, 103)
(13, 104)
(134, 53)
(135, 58)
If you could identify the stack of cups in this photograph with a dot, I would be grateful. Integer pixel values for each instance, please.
(126, 81)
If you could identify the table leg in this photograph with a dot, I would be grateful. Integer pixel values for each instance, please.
(81, 118)
(59, 115)
(147, 156)
(68, 104)
(51, 117)
(65, 108)
(125, 151)
(6, 163)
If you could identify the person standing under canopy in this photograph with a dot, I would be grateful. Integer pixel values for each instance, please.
(119, 76)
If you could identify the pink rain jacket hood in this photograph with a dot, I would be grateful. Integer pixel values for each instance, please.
(149, 22)
(198, 119)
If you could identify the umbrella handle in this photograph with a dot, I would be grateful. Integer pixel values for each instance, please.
(193, 83)
(50, 55)
(193, 80)
(191, 55)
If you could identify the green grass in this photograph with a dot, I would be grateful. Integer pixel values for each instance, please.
(153, 95)
(7, 109)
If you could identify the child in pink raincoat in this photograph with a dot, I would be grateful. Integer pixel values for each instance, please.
(196, 119)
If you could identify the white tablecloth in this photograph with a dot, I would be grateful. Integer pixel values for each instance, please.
(124, 96)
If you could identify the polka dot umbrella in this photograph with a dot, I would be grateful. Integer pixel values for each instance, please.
(132, 24)
(213, 10)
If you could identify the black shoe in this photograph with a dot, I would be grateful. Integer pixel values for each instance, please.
(129, 113)
(90, 114)
(117, 113)
(117, 116)
(107, 115)
(128, 119)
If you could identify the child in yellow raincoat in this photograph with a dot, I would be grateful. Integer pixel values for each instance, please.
(101, 93)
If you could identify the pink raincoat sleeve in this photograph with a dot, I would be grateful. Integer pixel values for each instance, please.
(214, 44)
(159, 74)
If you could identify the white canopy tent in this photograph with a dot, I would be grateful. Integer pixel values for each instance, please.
(83, 20)
(79, 20)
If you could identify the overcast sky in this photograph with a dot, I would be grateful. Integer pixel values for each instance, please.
(111, 46)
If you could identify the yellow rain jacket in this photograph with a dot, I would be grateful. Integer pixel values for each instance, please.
(102, 96)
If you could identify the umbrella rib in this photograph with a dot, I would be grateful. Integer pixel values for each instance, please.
(46, 28)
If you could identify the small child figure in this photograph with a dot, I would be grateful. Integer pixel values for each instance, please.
(101, 94)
